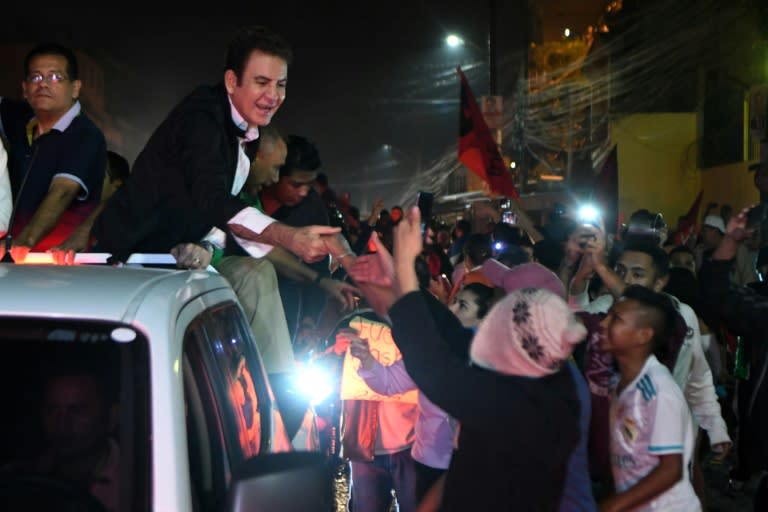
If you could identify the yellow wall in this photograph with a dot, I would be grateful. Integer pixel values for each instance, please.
(729, 184)
(657, 167)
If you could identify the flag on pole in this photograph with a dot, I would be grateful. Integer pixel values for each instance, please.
(477, 149)
(687, 225)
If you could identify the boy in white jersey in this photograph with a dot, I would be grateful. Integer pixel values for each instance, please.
(650, 424)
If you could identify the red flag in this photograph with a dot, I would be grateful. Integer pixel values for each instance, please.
(686, 227)
(477, 149)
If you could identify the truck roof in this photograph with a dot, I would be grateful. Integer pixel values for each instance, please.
(97, 292)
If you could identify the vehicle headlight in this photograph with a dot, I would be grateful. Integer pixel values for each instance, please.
(314, 383)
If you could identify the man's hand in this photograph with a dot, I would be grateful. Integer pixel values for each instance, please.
(594, 245)
(358, 347)
(191, 256)
(19, 252)
(737, 225)
(735, 232)
(722, 450)
(373, 218)
(407, 247)
(64, 253)
(343, 292)
(377, 269)
(308, 243)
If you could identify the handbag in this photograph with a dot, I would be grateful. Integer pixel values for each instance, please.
(359, 426)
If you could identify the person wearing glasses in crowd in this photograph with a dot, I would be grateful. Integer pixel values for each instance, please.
(57, 155)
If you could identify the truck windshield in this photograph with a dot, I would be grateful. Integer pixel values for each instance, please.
(75, 426)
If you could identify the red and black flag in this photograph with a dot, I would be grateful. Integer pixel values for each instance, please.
(477, 149)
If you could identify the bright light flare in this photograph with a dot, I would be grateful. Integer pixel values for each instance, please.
(314, 383)
(567, 32)
(588, 214)
(454, 41)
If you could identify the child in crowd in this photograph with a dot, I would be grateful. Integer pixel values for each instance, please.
(650, 424)
(472, 303)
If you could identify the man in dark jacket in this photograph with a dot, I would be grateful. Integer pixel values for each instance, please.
(745, 313)
(184, 185)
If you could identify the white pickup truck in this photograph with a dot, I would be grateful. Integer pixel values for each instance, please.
(197, 427)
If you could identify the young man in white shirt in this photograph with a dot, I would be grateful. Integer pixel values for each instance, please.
(650, 424)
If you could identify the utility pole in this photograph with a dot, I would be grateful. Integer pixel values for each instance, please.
(492, 37)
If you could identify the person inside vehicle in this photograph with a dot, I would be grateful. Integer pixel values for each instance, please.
(78, 416)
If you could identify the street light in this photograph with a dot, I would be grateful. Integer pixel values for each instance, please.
(453, 41)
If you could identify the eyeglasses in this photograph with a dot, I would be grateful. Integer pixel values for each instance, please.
(51, 78)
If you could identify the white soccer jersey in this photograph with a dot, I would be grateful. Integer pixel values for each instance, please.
(650, 418)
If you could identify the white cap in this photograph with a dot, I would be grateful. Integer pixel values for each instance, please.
(715, 221)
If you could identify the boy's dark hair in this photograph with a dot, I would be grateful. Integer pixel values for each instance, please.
(117, 167)
(302, 156)
(486, 297)
(669, 328)
(659, 256)
(53, 49)
(249, 39)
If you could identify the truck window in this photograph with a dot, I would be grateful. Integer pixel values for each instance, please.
(76, 415)
(227, 398)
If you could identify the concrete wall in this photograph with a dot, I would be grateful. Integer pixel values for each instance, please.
(658, 168)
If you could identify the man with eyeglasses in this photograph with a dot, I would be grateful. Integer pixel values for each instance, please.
(57, 155)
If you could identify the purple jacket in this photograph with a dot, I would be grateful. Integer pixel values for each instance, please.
(435, 429)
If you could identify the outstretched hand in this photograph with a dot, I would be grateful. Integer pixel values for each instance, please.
(408, 245)
(737, 225)
(308, 243)
(376, 268)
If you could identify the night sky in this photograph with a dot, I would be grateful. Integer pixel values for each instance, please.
(363, 75)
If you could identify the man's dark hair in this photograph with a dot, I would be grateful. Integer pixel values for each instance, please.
(464, 226)
(478, 248)
(507, 234)
(549, 253)
(659, 257)
(249, 39)
(422, 272)
(661, 315)
(53, 49)
(90, 366)
(322, 179)
(683, 285)
(680, 249)
(512, 256)
(269, 135)
(117, 167)
(302, 156)
(485, 297)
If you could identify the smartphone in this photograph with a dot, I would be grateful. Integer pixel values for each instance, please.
(756, 215)
(424, 202)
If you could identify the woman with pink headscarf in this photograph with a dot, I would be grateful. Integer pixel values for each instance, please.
(516, 403)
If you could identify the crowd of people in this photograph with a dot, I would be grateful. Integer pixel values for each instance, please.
(556, 366)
